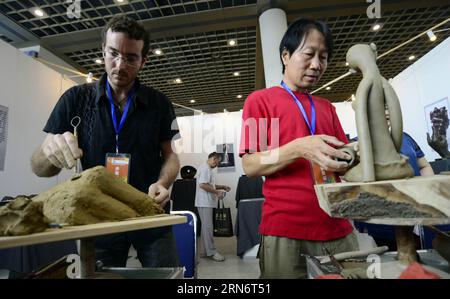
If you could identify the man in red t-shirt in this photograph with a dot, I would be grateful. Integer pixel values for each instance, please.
(285, 131)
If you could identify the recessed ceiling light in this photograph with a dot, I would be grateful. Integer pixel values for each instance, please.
(353, 97)
(328, 88)
(232, 42)
(177, 81)
(225, 110)
(192, 101)
(99, 61)
(347, 64)
(38, 12)
(412, 57)
(376, 27)
(157, 52)
(120, 2)
(89, 78)
(239, 96)
(431, 36)
(236, 74)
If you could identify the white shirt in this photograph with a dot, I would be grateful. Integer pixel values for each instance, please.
(203, 199)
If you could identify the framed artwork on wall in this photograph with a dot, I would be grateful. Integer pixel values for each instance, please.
(226, 153)
(436, 116)
(3, 135)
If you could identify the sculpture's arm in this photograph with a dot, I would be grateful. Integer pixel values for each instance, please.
(362, 125)
(395, 114)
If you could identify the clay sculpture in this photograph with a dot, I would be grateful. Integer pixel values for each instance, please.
(22, 216)
(379, 148)
(93, 196)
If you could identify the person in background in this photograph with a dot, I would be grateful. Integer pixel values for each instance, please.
(309, 133)
(206, 198)
(119, 117)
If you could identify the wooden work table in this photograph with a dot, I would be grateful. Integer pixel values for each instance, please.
(85, 234)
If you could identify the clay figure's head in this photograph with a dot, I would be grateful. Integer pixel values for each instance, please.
(305, 50)
(361, 55)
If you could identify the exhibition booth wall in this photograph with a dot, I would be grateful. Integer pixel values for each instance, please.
(421, 87)
(203, 134)
(29, 90)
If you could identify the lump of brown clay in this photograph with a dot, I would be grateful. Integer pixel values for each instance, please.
(22, 216)
(93, 196)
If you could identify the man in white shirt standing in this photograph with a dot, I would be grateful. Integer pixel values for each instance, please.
(206, 197)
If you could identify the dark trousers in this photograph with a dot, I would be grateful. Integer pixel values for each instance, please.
(155, 247)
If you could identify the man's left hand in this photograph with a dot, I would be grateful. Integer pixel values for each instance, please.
(159, 193)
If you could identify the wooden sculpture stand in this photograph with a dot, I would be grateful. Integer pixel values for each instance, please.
(402, 203)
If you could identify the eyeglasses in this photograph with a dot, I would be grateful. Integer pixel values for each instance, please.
(132, 61)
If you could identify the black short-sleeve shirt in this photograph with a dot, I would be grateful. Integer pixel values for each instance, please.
(150, 121)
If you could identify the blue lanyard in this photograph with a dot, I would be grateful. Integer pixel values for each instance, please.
(312, 126)
(113, 112)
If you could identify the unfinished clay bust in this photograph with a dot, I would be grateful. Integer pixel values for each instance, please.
(379, 148)
(94, 196)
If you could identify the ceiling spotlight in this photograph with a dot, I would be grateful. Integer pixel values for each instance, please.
(121, 1)
(98, 61)
(412, 57)
(232, 42)
(239, 96)
(347, 64)
(177, 81)
(89, 78)
(431, 36)
(157, 52)
(38, 12)
(192, 101)
(376, 27)
(328, 88)
(236, 74)
(353, 97)
(225, 111)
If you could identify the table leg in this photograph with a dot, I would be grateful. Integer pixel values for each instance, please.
(406, 246)
(87, 258)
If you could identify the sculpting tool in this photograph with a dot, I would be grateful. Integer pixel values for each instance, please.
(75, 122)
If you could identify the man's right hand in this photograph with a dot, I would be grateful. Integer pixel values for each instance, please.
(220, 193)
(319, 149)
(61, 150)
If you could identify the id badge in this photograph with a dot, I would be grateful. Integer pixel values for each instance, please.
(119, 165)
(322, 176)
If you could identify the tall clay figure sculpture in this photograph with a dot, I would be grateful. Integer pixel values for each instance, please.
(379, 148)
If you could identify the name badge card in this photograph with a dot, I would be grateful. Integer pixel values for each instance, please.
(322, 176)
(119, 165)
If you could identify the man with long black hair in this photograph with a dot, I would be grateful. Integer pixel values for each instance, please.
(309, 131)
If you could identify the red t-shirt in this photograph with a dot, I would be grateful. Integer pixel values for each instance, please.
(291, 208)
